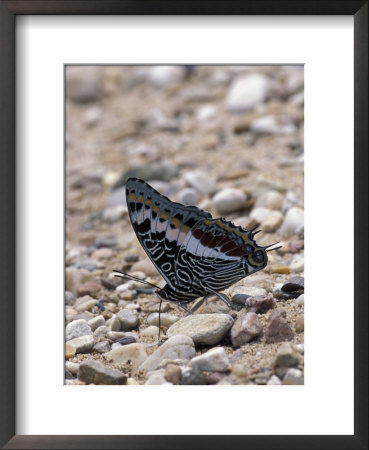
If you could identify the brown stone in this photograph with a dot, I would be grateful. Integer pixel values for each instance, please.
(260, 304)
(173, 374)
(245, 329)
(278, 328)
(91, 288)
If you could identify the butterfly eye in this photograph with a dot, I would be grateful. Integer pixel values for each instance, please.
(258, 256)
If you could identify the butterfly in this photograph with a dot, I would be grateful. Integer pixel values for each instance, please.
(197, 255)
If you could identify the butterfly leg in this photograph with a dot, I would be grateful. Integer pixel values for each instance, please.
(225, 299)
(183, 307)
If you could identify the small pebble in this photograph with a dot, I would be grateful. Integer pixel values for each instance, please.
(293, 222)
(229, 200)
(246, 92)
(193, 377)
(175, 347)
(208, 329)
(297, 264)
(114, 323)
(245, 329)
(214, 377)
(272, 222)
(260, 304)
(101, 332)
(101, 347)
(82, 343)
(95, 372)
(96, 322)
(128, 319)
(72, 367)
(91, 288)
(274, 380)
(214, 360)
(300, 300)
(278, 268)
(287, 356)
(260, 214)
(166, 319)
(151, 332)
(135, 353)
(278, 329)
(200, 181)
(293, 376)
(77, 328)
(188, 196)
(126, 340)
(270, 200)
(70, 351)
(173, 374)
(157, 377)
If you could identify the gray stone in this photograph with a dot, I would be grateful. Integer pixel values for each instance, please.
(72, 367)
(157, 377)
(135, 353)
(297, 264)
(101, 332)
(96, 322)
(287, 356)
(188, 196)
(274, 380)
(229, 200)
(206, 329)
(260, 214)
(201, 181)
(264, 125)
(246, 92)
(176, 347)
(128, 319)
(272, 222)
(214, 360)
(114, 323)
(270, 200)
(245, 329)
(293, 222)
(193, 377)
(115, 335)
(77, 328)
(166, 319)
(94, 372)
(82, 343)
(293, 376)
(101, 347)
(151, 332)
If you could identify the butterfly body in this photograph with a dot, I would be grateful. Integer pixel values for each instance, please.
(196, 254)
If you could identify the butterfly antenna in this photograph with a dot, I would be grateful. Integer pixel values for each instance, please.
(121, 274)
(271, 245)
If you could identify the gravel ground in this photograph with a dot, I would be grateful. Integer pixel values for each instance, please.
(228, 139)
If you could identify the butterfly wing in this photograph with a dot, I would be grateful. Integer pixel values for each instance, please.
(161, 225)
(213, 254)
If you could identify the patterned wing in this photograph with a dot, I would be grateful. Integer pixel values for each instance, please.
(215, 254)
(160, 225)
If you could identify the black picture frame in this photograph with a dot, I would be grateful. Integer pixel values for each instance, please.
(8, 11)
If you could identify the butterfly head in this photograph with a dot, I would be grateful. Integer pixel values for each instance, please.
(256, 257)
